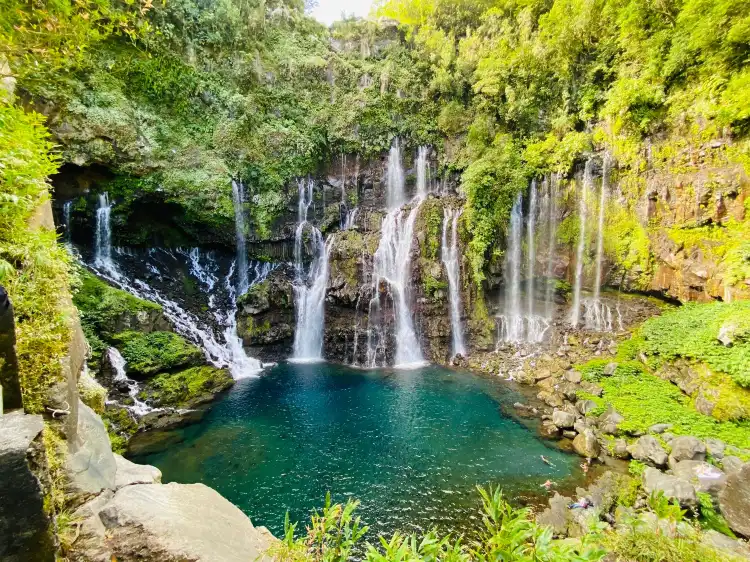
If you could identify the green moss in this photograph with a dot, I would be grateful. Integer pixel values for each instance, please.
(121, 426)
(429, 226)
(105, 309)
(155, 352)
(645, 399)
(186, 389)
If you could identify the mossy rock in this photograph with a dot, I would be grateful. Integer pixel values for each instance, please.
(121, 426)
(186, 389)
(156, 352)
(429, 227)
(106, 310)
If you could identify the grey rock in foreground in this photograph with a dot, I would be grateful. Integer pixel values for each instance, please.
(648, 449)
(734, 500)
(25, 534)
(673, 487)
(686, 448)
(168, 523)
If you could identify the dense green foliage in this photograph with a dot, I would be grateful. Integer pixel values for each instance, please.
(692, 332)
(33, 268)
(156, 352)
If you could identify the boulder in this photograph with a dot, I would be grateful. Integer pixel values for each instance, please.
(734, 500)
(609, 421)
(573, 376)
(586, 406)
(620, 449)
(557, 515)
(552, 399)
(715, 447)
(610, 368)
(686, 448)
(731, 464)
(25, 529)
(715, 540)
(549, 430)
(563, 419)
(648, 449)
(703, 476)
(90, 465)
(166, 523)
(656, 481)
(659, 427)
(129, 473)
(586, 445)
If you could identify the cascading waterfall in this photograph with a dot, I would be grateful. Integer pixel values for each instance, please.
(600, 233)
(392, 265)
(118, 363)
(422, 172)
(451, 259)
(67, 206)
(238, 199)
(103, 234)
(395, 178)
(226, 354)
(310, 286)
(551, 243)
(575, 315)
(531, 250)
(513, 319)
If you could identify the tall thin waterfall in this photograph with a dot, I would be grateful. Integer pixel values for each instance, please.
(600, 233)
(238, 199)
(67, 206)
(598, 315)
(551, 205)
(422, 172)
(513, 317)
(575, 315)
(451, 259)
(103, 234)
(310, 286)
(531, 250)
(118, 363)
(395, 196)
(392, 265)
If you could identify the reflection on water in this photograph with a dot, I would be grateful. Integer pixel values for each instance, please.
(410, 445)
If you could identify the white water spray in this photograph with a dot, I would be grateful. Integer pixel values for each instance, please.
(395, 196)
(423, 175)
(513, 317)
(531, 250)
(238, 200)
(103, 234)
(451, 259)
(551, 243)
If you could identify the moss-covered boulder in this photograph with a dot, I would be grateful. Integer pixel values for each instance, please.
(186, 389)
(106, 311)
(150, 353)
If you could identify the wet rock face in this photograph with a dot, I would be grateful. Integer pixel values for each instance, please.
(25, 530)
(265, 316)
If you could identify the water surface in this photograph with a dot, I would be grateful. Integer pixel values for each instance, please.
(410, 445)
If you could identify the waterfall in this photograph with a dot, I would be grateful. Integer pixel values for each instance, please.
(103, 234)
(531, 250)
(422, 172)
(226, 354)
(238, 199)
(513, 318)
(310, 286)
(67, 206)
(395, 178)
(600, 233)
(575, 316)
(451, 259)
(350, 218)
(551, 206)
(117, 361)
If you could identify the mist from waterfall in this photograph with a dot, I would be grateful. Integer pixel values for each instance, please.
(586, 185)
(423, 175)
(103, 234)
(452, 260)
(238, 200)
(310, 285)
(392, 266)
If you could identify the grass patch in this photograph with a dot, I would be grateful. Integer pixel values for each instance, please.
(691, 332)
(156, 352)
(645, 399)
